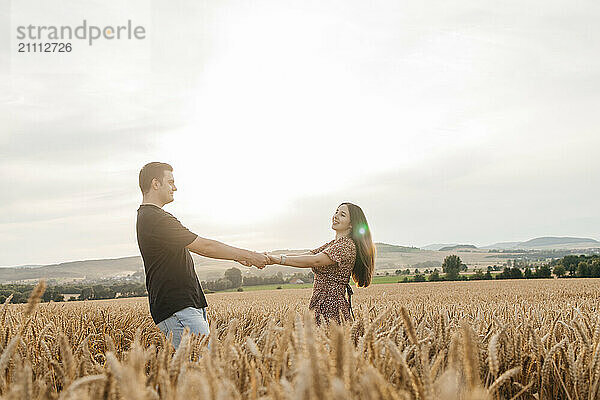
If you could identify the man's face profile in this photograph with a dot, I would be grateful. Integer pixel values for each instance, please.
(167, 187)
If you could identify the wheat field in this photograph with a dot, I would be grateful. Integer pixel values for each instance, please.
(449, 340)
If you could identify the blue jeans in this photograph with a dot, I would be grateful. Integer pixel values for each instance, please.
(195, 318)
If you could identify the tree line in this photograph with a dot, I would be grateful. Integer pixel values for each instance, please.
(580, 266)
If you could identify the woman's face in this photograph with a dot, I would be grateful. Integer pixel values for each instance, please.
(341, 219)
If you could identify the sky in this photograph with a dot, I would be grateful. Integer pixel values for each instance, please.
(447, 122)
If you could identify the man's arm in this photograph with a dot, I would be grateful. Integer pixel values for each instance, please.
(214, 249)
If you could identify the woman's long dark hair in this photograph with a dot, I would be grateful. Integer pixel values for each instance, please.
(364, 265)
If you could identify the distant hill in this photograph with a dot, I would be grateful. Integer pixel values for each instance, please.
(547, 243)
(570, 242)
(458, 247)
(389, 257)
(206, 269)
(74, 270)
(393, 248)
(501, 246)
(437, 246)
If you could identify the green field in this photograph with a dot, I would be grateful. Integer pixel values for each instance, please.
(386, 279)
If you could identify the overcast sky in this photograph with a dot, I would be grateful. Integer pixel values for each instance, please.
(447, 122)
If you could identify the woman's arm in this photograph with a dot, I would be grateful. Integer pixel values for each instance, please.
(301, 261)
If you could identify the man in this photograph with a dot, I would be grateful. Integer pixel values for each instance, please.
(175, 296)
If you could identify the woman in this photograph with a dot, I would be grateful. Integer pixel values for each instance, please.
(351, 253)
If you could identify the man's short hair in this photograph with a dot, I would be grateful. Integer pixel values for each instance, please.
(150, 171)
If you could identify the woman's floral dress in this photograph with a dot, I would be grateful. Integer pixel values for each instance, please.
(328, 299)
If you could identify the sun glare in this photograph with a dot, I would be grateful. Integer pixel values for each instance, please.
(260, 136)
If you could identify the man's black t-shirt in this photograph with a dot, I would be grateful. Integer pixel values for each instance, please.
(171, 280)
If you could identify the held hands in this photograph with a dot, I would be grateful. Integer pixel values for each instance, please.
(273, 259)
(260, 260)
(255, 259)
